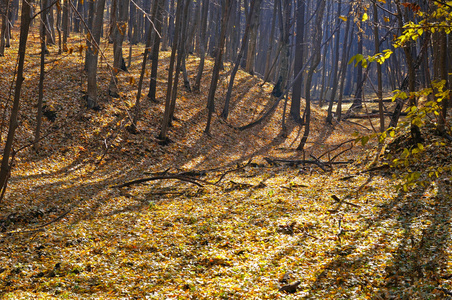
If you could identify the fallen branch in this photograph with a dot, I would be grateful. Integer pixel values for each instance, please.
(178, 177)
(318, 163)
(297, 162)
(233, 170)
(337, 147)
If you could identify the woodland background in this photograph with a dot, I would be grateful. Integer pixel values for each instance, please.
(225, 149)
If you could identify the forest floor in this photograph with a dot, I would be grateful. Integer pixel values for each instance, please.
(229, 225)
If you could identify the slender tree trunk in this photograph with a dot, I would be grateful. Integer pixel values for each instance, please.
(167, 113)
(155, 51)
(286, 13)
(65, 24)
(216, 68)
(42, 32)
(113, 22)
(345, 54)
(318, 33)
(13, 124)
(58, 26)
(379, 80)
(92, 54)
(254, 24)
(441, 57)
(225, 112)
(5, 7)
(324, 62)
(295, 106)
(180, 56)
(358, 101)
(119, 31)
(336, 70)
(205, 10)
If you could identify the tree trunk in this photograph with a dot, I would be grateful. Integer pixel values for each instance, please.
(180, 55)
(318, 33)
(216, 68)
(202, 54)
(42, 32)
(13, 124)
(254, 24)
(4, 10)
(65, 24)
(134, 127)
(92, 54)
(336, 70)
(295, 106)
(167, 113)
(379, 80)
(286, 13)
(119, 30)
(155, 51)
(225, 112)
(345, 54)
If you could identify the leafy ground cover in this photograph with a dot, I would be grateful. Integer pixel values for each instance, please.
(242, 229)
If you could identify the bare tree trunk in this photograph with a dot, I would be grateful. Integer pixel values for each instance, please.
(286, 13)
(113, 22)
(5, 12)
(379, 81)
(120, 28)
(134, 128)
(271, 39)
(345, 53)
(253, 24)
(296, 92)
(58, 26)
(318, 33)
(335, 63)
(167, 113)
(92, 54)
(205, 9)
(180, 56)
(24, 29)
(65, 24)
(42, 32)
(225, 112)
(216, 69)
(155, 51)
(358, 102)
(440, 39)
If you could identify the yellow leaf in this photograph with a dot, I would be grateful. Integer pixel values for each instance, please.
(386, 19)
(365, 17)
(343, 18)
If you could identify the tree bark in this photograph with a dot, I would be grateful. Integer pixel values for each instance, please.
(42, 32)
(295, 106)
(24, 29)
(118, 32)
(318, 33)
(167, 113)
(218, 60)
(156, 51)
(5, 7)
(253, 24)
(202, 54)
(92, 54)
(225, 112)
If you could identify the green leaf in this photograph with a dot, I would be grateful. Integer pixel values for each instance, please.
(364, 140)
